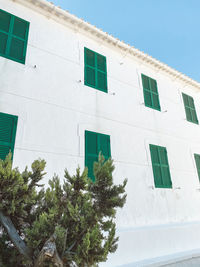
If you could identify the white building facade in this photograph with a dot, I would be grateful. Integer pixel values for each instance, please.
(64, 83)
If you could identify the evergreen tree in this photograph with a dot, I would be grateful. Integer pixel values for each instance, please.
(75, 220)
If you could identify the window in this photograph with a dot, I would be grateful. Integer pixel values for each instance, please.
(160, 167)
(95, 70)
(197, 160)
(8, 127)
(190, 108)
(95, 143)
(13, 37)
(151, 97)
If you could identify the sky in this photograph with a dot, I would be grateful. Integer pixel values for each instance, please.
(168, 30)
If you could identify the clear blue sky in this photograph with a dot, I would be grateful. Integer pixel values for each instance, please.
(168, 30)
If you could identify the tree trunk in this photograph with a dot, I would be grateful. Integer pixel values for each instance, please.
(49, 254)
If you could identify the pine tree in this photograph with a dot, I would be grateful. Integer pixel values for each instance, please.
(77, 218)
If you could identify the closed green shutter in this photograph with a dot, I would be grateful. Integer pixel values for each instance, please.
(95, 70)
(13, 37)
(90, 67)
(150, 90)
(160, 165)
(8, 126)
(104, 145)
(94, 144)
(197, 160)
(190, 110)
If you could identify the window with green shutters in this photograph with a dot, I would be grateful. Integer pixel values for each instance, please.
(95, 70)
(94, 144)
(197, 160)
(150, 90)
(190, 108)
(160, 165)
(13, 37)
(8, 127)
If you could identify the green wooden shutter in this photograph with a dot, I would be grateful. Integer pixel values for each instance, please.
(104, 145)
(165, 167)
(94, 144)
(150, 90)
(90, 79)
(187, 108)
(160, 165)
(156, 166)
(13, 37)
(190, 110)
(101, 73)
(91, 152)
(95, 70)
(8, 126)
(197, 160)
(5, 20)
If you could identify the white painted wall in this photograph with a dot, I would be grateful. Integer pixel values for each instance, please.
(55, 108)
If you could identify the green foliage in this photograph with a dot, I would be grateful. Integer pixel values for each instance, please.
(79, 212)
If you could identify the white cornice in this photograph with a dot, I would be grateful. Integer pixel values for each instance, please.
(49, 9)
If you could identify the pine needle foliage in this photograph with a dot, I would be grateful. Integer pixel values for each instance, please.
(79, 212)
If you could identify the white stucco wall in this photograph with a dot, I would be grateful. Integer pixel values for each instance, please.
(54, 108)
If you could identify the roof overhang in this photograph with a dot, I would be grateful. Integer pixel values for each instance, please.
(64, 17)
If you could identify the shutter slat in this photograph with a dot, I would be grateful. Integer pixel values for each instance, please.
(166, 177)
(90, 76)
(5, 19)
(155, 101)
(17, 49)
(154, 155)
(89, 58)
(3, 42)
(101, 78)
(6, 128)
(20, 28)
(145, 82)
(90, 164)
(157, 176)
(147, 98)
(105, 145)
(101, 63)
(153, 85)
(4, 150)
(91, 143)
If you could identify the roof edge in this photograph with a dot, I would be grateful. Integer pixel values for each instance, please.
(56, 12)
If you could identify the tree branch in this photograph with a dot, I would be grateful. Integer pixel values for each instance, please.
(14, 236)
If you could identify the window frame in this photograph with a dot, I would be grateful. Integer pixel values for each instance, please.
(96, 71)
(161, 166)
(151, 93)
(11, 35)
